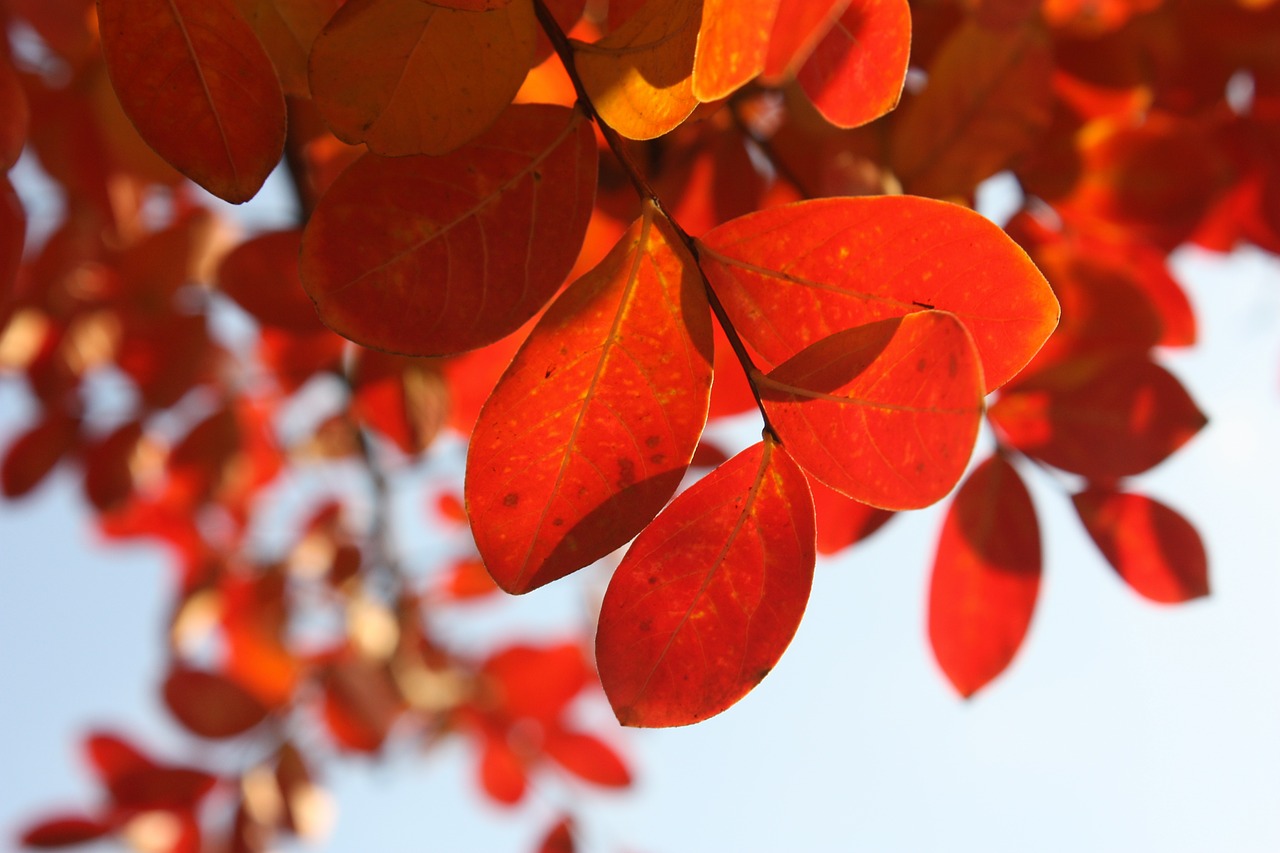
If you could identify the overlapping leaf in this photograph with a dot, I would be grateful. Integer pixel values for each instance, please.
(886, 413)
(797, 29)
(435, 255)
(986, 576)
(731, 45)
(710, 594)
(1151, 546)
(640, 76)
(856, 72)
(792, 275)
(409, 77)
(199, 87)
(589, 431)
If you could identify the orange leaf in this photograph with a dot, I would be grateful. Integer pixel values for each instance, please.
(590, 430)
(886, 413)
(731, 45)
(1154, 549)
(985, 576)
(195, 81)
(710, 594)
(1103, 417)
(856, 72)
(797, 29)
(640, 76)
(211, 705)
(987, 99)
(435, 255)
(792, 275)
(409, 77)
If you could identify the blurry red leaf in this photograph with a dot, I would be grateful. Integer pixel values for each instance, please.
(197, 84)
(211, 705)
(405, 399)
(792, 275)
(467, 579)
(502, 774)
(1103, 417)
(134, 781)
(30, 458)
(886, 413)
(559, 839)
(14, 115)
(710, 594)
(986, 575)
(13, 232)
(435, 255)
(261, 276)
(1154, 549)
(587, 757)
(856, 72)
(64, 831)
(361, 703)
(590, 430)
(108, 480)
(538, 681)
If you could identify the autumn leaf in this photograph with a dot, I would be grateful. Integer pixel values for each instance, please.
(797, 29)
(195, 81)
(640, 76)
(410, 77)
(710, 594)
(1151, 546)
(211, 705)
(986, 576)
(589, 431)
(843, 521)
(14, 115)
(732, 44)
(261, 276)
(792, 275)
(13, 232)
(436, 255)
(886, 413)
(856, 72)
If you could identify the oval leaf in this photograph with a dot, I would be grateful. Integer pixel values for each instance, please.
(261, 275)
(792, 275)
(408, 77)
(886, 413)
(211, 705)
(590, 430)
(986, 576)
(197, 84)
(856, 72)
(436, 255)
(710, 594)
(797, 29)
(640, 76)
(1154, 549)
(731, 45)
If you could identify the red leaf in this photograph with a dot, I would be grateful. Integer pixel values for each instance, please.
(710, 594)
(797, 29)
(197, 84)
(732, 44)
(211, 705)
(134, 781)
(538, 682)
(886, 413)
(587, 757)
(64, 831)
(843, 521)
(559, 839)
(261, 276)
(35, 453)
(856, 72)
(502, 773)
(14, 115)
(435, 255)
(1154, 549)
(1103, 417)
(985, 576)
(792, 275)
(13, 232)
(405, 399)
(108, 480)
(590, 430)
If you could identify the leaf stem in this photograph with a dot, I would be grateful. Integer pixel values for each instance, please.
(645, 190)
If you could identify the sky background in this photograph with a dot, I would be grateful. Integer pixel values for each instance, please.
(1121, 725)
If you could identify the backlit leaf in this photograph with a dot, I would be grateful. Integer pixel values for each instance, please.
(987, 98)
(199, 87)
(1103, 417)
(710, 594)
(408, 77)
(986, 576)
(587, 757)
(589, 431)
(842, 521)
(886, 413)
(797, 29)
(1154, 549)
(435, 255)
(731, 45)
(855, 74)
(792, 275)
(211, 705)
(640, 76)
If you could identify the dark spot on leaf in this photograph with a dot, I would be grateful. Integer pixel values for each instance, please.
(557, 522)
(653, 441)
(925, 305)
(511, 499)
(657, 458)
(626, 473)
(653, 579)
(550, 370)
(646, 626)
(537, 176)
(921, 365)
(760, 675)
(953, 367)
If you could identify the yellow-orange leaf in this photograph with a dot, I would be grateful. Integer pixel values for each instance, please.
(885, 413)
(589, 431)
(731, 46)
(408, 77)
(640, 76)
(856, 72)
(437, 255)
(987, 99)
(792, 275)
(198, 86)
(710, 594)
